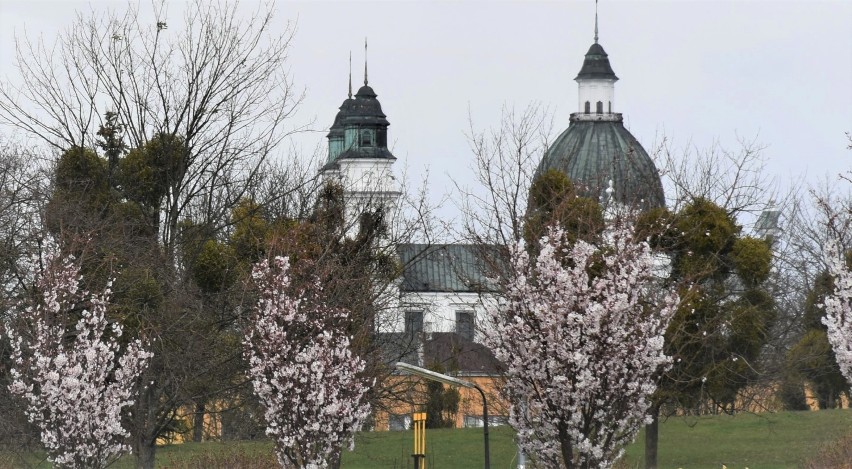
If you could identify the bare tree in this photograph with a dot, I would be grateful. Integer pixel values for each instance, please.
(208, 100)
(735, 180)
(505, 160)
(216, 79)
(22, 196)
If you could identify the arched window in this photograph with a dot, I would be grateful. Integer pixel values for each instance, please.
(599, 107)
(588, 107)
(609, 105)
(366, 138)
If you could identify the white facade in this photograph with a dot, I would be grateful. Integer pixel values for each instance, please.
(367, 185)
(441, 312)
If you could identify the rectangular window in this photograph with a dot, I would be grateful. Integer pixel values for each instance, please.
(464, 324)
(413, 322)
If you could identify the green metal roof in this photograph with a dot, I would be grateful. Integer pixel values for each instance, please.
(591, 153)
(446, 267)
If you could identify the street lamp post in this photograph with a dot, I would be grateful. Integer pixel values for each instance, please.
(431, 375)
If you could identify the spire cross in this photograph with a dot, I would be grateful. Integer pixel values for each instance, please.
(365, 61)
(596, 21)
(350, 74)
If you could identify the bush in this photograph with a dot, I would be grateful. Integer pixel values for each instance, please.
(836, 454)
(234, 457)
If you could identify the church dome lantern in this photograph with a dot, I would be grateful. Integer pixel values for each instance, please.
(365, 128)
(359, 130)
(596, 151)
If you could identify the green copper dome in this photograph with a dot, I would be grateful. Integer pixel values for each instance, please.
(593, 152)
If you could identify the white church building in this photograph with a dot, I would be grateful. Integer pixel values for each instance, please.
(444, 288)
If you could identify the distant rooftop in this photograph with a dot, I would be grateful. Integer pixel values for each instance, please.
(447, 267)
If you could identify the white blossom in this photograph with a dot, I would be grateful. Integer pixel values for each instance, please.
(303, 371)
(69, 377)
(581, 352)
(838, 310)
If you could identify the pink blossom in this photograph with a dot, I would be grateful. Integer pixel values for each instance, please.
(75, 390)
(838, 310)
(303, 371)
(581, 352)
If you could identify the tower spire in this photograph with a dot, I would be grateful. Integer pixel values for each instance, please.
(350, 74)
(365, 61)
(596, 21)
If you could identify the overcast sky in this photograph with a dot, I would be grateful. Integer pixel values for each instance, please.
(777, 72)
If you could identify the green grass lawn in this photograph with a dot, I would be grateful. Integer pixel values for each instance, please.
(764, 441)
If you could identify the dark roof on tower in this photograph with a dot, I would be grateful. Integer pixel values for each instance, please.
(365, 109)
(380, 153)
(596, 65)
(336, 129)
(591, 153)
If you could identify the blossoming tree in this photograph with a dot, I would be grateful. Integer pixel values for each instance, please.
(75, 381)
(302, 369)
(838, 311)
(580, 331)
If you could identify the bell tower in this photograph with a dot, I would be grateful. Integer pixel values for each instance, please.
(359, 159)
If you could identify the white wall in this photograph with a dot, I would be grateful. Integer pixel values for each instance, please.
(367, 184)
(592, 90)
(439, 311)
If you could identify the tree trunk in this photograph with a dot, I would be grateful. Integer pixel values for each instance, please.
(566, 447)
(198, 423)
(652, 438)
(145, 456)
(334, 461)
(144, 443)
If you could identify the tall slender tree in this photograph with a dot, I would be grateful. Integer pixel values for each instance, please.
(186, 114)
(303, 369)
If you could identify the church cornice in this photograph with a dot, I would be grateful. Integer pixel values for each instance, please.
(608, 117)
